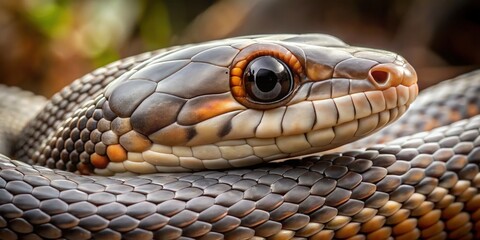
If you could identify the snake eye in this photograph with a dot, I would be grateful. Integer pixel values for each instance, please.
(267, 80)
(265, 76)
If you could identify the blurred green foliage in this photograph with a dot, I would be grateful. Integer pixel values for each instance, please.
(56, 41)
(155, 28)
(101, 28)
(51, 18)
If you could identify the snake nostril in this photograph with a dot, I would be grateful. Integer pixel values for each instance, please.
(385, 75)
(381, 77)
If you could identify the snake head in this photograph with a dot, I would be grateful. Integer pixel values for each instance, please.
(244, 101)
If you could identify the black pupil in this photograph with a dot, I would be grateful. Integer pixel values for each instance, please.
(267, 80)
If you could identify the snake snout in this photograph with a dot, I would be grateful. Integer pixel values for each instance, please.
(386, 75)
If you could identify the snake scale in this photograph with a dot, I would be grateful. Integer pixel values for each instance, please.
(190, 139)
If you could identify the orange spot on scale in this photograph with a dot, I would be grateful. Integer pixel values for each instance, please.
(236, 81)
(116, 153)
(237, 72)
(241, 64)
(297, 67)
(99, 161)
(215, 107)
(238, 91)
(83, 169)
(172, 135)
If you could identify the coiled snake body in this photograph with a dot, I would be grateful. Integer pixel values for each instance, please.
(209, 112)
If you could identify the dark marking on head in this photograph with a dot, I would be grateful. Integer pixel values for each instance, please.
(190, 133)
(223, 131)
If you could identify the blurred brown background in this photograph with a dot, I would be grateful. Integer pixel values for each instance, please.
(46, 44)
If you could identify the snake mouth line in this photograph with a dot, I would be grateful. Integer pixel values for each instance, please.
(354, 129)
(385, 107)
(323, 139)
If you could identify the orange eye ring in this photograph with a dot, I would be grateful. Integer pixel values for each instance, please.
(241, 61)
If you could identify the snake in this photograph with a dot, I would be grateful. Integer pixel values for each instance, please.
(224, 140)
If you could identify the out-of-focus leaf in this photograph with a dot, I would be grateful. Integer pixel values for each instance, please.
(155, 28)
(50, 17)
